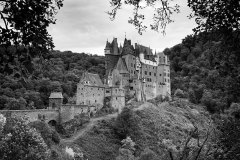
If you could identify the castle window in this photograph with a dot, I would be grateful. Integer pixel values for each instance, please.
(145, 72)
(154, 74)
(168, 81)
(168, 75)
(131, 88)
(134, 72)
(130, 80)
(150, 73)
(165, 80)
(160, 75)
(165, 74)
(107, 91)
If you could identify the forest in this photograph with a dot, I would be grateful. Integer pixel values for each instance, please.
(61, 72)
(201, 70)
(201, 122)
(205, 68)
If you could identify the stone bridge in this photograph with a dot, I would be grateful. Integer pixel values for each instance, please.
(51, 116)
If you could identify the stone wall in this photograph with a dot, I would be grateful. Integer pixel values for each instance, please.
(33, 115)
(118, 99)
(90, 95)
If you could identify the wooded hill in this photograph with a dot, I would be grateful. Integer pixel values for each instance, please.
(60, 72)
(204, 68)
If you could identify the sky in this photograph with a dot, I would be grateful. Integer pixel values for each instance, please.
(84, 26)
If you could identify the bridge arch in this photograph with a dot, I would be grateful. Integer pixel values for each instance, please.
(52, 122)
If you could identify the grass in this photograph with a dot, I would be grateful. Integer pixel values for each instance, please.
(161, 127)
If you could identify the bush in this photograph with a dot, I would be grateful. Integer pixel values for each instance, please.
(20, 140)
(148, 154)
(209, 101)
(75, 124)
(49, 135)
(179, 93)
(234, 110)
(126, 124)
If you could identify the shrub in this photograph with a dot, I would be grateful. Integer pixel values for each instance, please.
(49, 135)
(20, 140)
(148, 154)
(126, 124)
(234, 110)
(209, 101)
(191, 96)
(179, 93)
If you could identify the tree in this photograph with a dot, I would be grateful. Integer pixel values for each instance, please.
(148, 154)
(24, 33)
(214, 15)
(127, 150)
(162, 16)
(21, 141)
(209, 15)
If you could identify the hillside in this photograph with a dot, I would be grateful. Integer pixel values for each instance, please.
(161, 127)
(60, 72)
(206, 67)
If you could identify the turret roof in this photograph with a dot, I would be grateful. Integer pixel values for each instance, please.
(56, 95)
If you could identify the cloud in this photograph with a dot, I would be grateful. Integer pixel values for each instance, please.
(84, 26)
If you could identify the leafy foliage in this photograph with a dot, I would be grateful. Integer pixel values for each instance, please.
(127, 150)
(49, 135)
(24, 33)
(161, 17)
(215, 15)
(20, 140)
(203, 65)
(61, 72)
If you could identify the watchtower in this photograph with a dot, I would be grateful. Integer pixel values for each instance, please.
(55, 100)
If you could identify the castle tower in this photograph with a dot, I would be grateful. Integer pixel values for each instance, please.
(115, 46)
(107, 49)
(55, 100)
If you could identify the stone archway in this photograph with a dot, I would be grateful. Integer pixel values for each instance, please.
(52, 123)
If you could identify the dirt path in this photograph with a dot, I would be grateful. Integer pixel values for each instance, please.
(89, 126)
(94, 121)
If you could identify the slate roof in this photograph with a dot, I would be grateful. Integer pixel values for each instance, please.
(143, 49)
(93, 79)
(121, 66)
(127, 48)
(56, 95)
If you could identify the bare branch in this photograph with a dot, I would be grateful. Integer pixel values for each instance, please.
(4, 20)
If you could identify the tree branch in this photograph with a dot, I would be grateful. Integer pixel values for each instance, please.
(5, 22)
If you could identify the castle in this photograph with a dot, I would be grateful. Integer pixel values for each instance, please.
(133, 71)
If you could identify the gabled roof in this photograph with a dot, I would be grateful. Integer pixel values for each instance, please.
(127, 48)
(56, 95)
(121, 66)
(91, 79)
